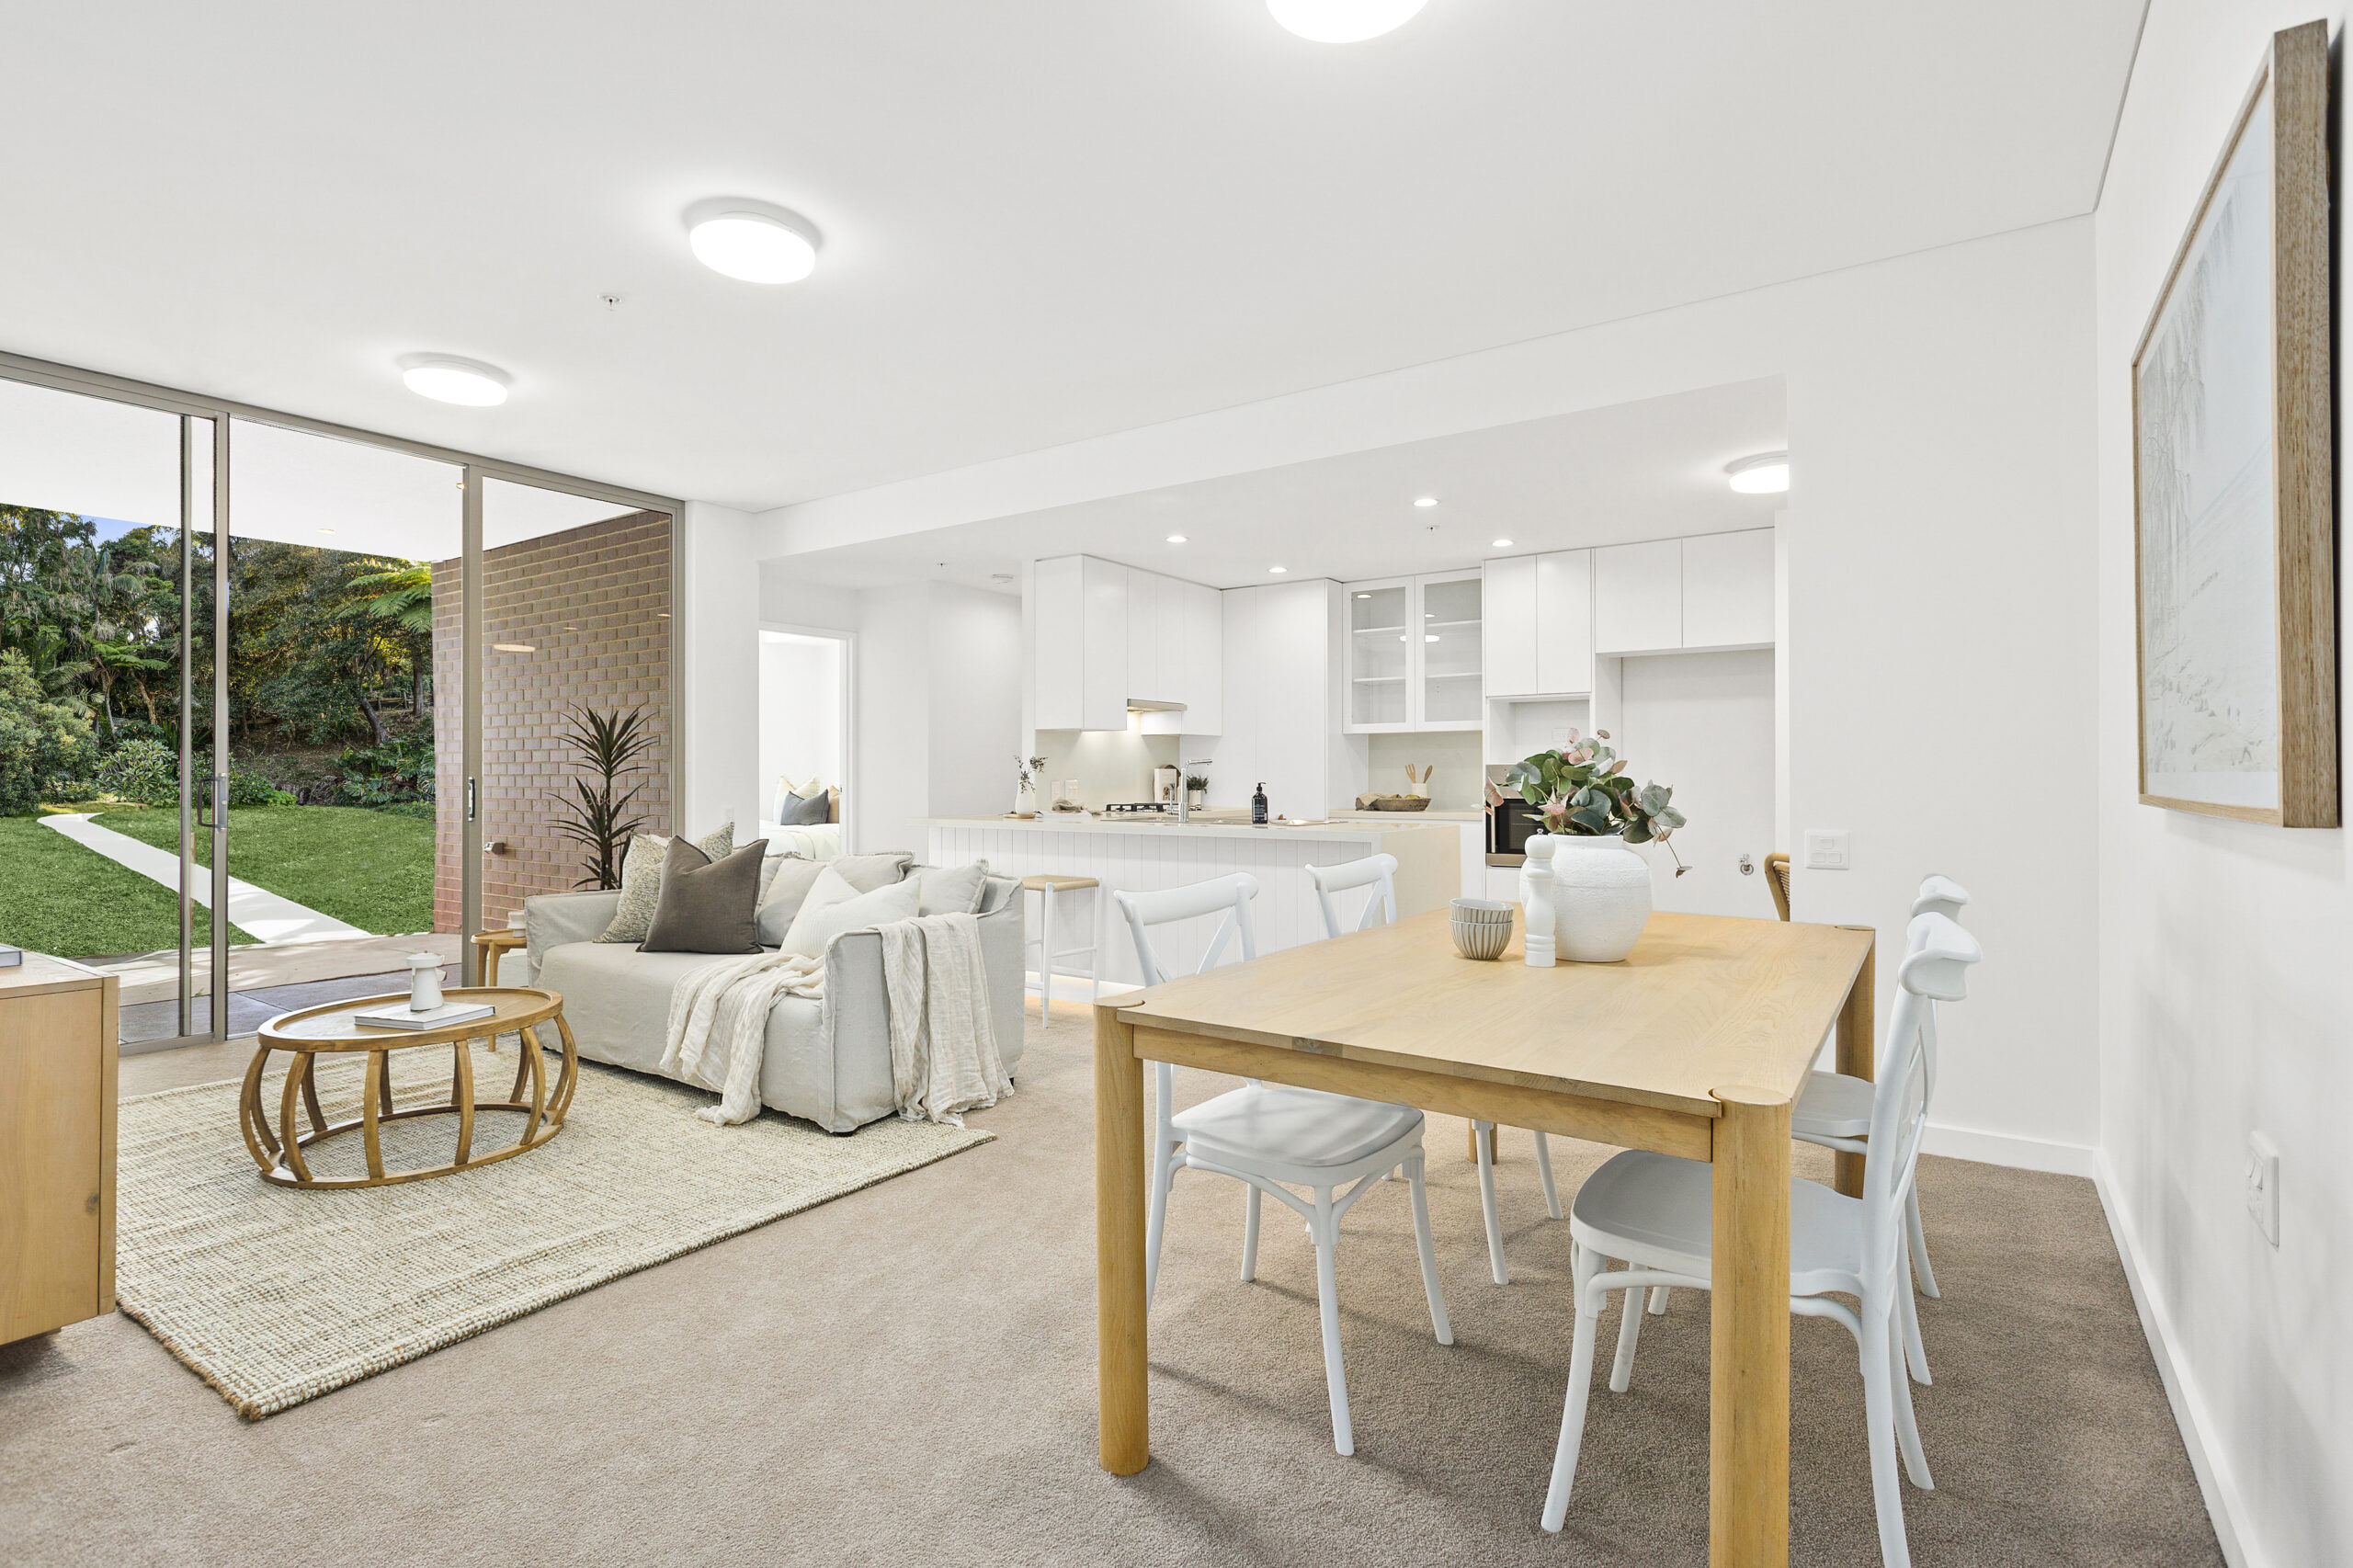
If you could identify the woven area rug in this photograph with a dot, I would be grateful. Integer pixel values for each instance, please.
(275, 1296)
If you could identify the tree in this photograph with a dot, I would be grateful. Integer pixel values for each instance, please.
(402, 594)
(43, 741)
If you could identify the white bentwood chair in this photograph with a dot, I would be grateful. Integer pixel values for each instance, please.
(1834, 1110)
(1656, 1212)
(1270, 1137)
(1376, 872)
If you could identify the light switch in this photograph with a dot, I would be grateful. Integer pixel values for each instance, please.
(2263, 1185)
(1826, 849)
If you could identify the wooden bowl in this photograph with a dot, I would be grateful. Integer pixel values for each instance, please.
(1401, 804)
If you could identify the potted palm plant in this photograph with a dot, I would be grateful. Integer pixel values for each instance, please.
(596, 816)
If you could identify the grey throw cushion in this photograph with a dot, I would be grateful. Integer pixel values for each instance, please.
(802, 810)
(866, 872)
(950, 890)
(789, 884)
(641, 880)
(705, 905)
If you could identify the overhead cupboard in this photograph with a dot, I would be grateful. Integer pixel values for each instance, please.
(1416, 652)
(1107, 635)
(1547, 617)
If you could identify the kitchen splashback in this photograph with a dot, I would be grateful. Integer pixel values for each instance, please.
(1454, 754)
(1109, 765)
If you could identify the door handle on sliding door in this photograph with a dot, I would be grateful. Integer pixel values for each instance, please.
(210, 792)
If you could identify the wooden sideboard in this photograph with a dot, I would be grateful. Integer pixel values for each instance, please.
(57, 1113)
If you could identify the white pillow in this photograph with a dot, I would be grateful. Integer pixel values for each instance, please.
(833, 906)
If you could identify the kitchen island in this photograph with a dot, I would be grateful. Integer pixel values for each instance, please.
(1138, 855)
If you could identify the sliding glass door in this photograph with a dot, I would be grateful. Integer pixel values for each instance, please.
(281, 702)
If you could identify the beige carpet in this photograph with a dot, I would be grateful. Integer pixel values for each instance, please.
(275, 1295)
(906, 1377)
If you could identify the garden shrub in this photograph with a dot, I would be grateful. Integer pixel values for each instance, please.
(148, 771)
(42, 743)
(399, 771)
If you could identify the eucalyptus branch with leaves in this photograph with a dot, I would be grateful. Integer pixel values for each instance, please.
(1582, 790)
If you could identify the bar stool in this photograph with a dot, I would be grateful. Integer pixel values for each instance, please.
(1050, 890)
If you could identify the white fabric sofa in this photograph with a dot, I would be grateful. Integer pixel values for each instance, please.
(827, 1061)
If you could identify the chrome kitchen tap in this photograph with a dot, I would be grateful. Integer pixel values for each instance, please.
(1182, 816)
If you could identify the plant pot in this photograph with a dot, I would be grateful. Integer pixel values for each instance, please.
(1196, 798)
(1601, 897)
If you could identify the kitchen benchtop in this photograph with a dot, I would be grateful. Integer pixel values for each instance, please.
(1355, 828)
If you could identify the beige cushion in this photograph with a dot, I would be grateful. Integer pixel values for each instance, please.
(833, 906)
(641, 879)
(789, 884)
(950, 890)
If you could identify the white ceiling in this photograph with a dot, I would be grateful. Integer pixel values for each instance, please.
(1043, 221)
(63, 452)
(1634, 470)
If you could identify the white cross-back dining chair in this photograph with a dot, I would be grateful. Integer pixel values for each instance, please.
(1835, 1111)
(1376, 872)
(1272, 1137)
(1655, 1211)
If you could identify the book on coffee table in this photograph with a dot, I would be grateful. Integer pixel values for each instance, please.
(404, 1017)
(9, 956)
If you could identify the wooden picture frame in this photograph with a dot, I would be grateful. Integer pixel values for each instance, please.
(2234, 556)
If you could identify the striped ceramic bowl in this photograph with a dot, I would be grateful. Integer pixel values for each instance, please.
(1480, 927)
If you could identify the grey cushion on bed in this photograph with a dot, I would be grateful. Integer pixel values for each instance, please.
(706, 905)
(805, 810)
(641, 880)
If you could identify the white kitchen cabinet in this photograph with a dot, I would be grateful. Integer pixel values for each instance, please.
(1728, 589)
(1511, 627)
(1503, 884)
(1143, 637)
(1414, 652)
(1107, 633)
(1638, 597)
(1539, 624)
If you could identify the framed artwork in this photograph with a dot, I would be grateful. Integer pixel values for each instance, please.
(2232, 489)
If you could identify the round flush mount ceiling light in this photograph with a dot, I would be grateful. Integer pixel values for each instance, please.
(1343, 21)
(754, 242)
(445, 377)
(1767, 473)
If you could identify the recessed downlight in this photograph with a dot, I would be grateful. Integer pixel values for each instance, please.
(1343, 21)
(445, 377)
(326, 530)
(1364, 596)
(1425, 500)
(1276, 571)
(753, 241)
(1176, 539)
(1499, 544)
(1767, 473)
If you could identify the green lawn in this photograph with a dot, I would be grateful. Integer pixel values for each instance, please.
(371, 868)
(57, 897)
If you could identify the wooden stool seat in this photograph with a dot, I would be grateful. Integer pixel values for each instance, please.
(1054, 883)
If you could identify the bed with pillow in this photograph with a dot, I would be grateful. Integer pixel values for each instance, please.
(827, 1060)
(807, 820)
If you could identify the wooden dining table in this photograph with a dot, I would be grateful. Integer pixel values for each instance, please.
(1697, 1044)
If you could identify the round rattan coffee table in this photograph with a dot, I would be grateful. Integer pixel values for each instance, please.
(311, 1032)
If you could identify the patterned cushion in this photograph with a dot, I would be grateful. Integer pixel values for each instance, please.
(641, 880)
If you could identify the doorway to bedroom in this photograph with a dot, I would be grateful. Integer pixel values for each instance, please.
(805, 739)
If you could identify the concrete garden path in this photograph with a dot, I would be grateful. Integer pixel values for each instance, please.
(264, 914)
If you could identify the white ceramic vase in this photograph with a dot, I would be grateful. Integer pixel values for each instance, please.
(1601, 897)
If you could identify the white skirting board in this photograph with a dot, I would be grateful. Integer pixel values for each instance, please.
(2005, 1149)
(2225, 1504)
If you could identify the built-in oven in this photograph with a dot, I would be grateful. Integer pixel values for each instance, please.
(1510, 823)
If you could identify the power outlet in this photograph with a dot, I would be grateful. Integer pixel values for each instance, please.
(2263, 1185)
(1826, 849)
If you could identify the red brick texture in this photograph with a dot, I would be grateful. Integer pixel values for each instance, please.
(594, 604)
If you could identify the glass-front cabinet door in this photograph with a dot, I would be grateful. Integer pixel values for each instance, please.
(1414, 654)
(1451, 648)
(1381, 655)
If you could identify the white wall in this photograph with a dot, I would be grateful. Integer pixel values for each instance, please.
(1940, 558)
(804, 726)
(1703, 724)
(2226, 1003)
(937, 698)
(716, 647)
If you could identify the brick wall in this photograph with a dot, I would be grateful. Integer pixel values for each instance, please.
(594, 604)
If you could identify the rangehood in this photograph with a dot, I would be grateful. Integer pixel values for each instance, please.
(1152, 705)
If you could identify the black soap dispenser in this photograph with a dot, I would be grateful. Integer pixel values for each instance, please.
(1259, 806)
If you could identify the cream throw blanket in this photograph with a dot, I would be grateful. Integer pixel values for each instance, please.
(943, 1056)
